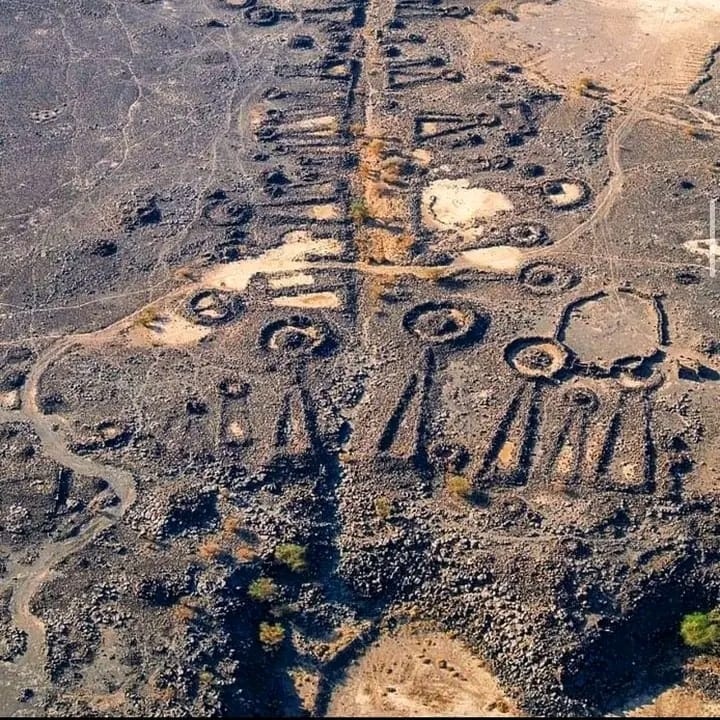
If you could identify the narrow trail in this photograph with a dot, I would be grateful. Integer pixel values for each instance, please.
(28, 670)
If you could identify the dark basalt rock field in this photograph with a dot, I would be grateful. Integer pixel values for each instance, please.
(328, 274)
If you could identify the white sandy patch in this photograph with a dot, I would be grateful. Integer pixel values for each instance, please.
(293, 280)
(569, 194)
(320, 126)
(309, 300)
(287, 258)
(454, 205)
(502, 258)
(168, 329)
(327, 211)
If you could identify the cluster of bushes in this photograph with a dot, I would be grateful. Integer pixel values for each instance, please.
(701, 630)
(266, 590)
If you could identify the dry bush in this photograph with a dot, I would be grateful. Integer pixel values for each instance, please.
(459, 486)
(183, 614)
(244, 554)
(375, 148)
(435, 273)
(584, 84)
(186, 274)
(232, 524)
(185, 610)
(497, 10)
(205, 677)
(210, 550)
(392, 170)
(383, 507)
(147, 317)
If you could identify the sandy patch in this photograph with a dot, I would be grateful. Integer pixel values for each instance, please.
(328, 211)
(676, 702)
(566, 194)
(502, 258)
(454, 205)
(293, 280)
(287, 258)
(423, 157)
(702, 247)
(167, 329)
(10, 400)
(658, 45)
(309, 300)
(508, 454)
(320, 126)
(419, 674)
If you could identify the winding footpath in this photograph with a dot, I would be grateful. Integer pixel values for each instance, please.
(28, 670)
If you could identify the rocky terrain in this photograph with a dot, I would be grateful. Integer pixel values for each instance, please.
(322, 320)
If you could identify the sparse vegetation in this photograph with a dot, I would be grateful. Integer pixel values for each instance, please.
(383, 507)
(263, 589)
(232, 524)
(459, 486)
(210, 550)
(583, 85)
(184, 613)
(147, 317)
(392, 170)
(292, 556)
(359, 211)
(497, 10)
(244, 554)
(701, 630)
(185, 610)
(205, 677)
(271, 635)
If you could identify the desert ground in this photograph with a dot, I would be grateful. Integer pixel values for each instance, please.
(358, 357)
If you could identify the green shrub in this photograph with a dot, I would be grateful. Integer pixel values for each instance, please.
(263, 589)
(383, 507)
(701, 630)
(459, 486)
(292, 556)
(359, 211)
(271, 635)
